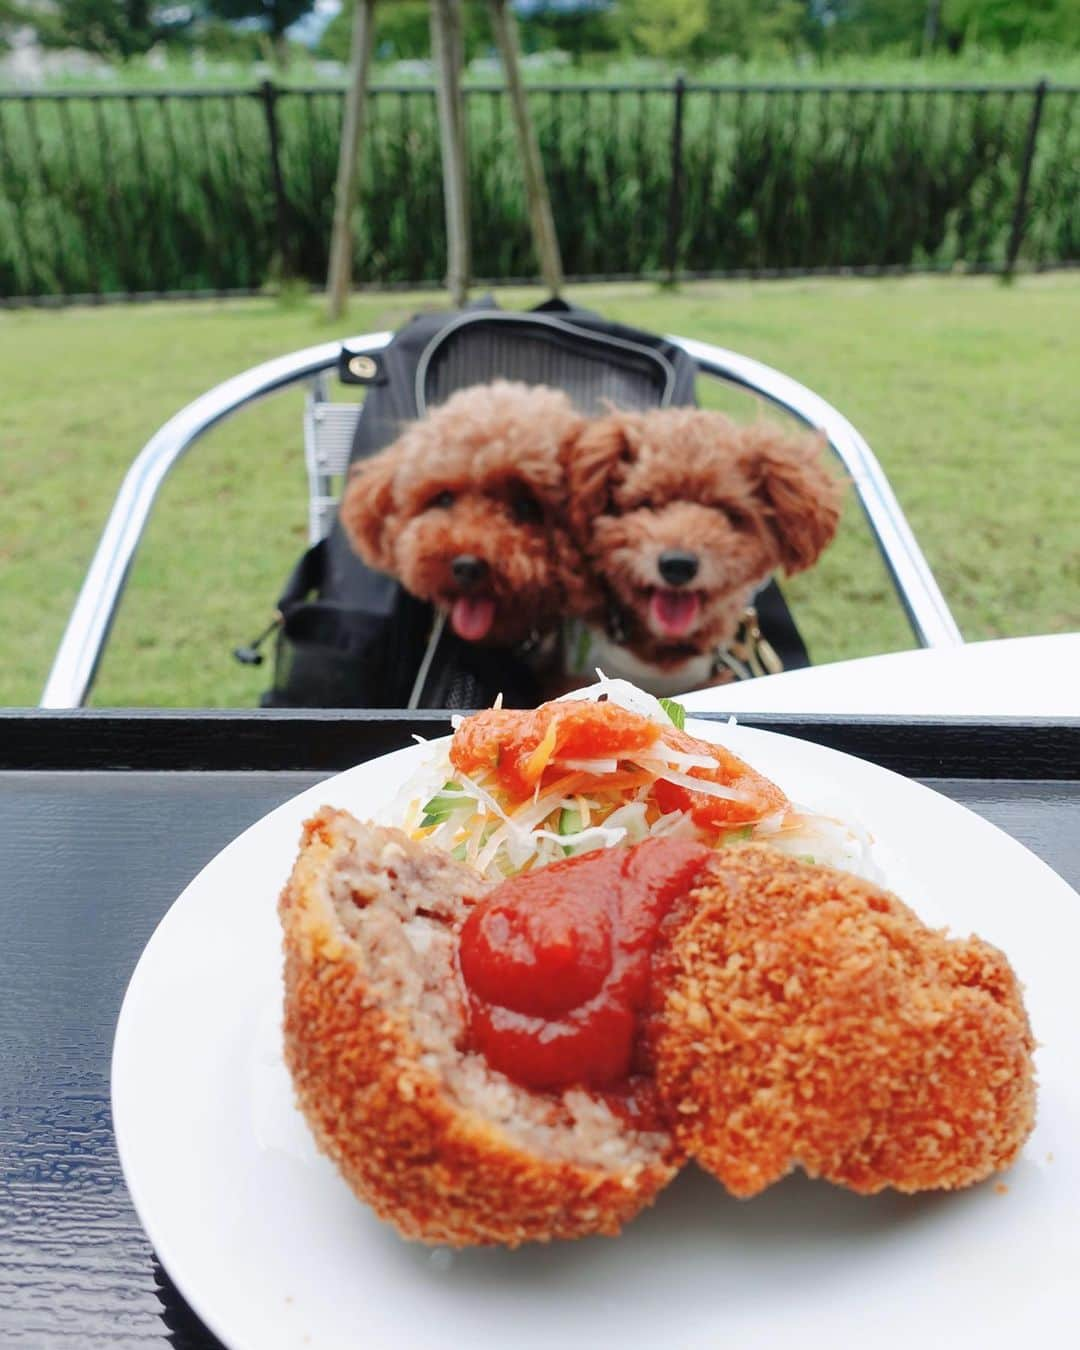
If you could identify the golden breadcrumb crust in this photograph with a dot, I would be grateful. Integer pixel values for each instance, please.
(439, 1173)
(807, 1018)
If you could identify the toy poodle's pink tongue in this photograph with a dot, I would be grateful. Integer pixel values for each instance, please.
(674, 612)
(472, 616)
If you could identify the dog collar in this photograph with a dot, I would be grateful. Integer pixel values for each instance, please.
(590, 649)
(747, 656)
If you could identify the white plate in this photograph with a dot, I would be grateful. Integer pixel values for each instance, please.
(271, 1249)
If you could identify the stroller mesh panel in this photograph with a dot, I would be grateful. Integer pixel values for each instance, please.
(477, 354)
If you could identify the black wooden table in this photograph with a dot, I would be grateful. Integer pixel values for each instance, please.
(105, 817)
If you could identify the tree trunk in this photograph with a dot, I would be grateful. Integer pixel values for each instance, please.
(545, 240)
(932, 26)
(447, 44)
(339, 279)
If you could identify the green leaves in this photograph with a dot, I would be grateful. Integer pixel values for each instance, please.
(675, 711)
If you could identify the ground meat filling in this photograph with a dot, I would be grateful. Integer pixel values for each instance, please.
(782, 1014)
(402, 906)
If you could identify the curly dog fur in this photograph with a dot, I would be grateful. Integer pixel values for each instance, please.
(734, 502)
(467, 509)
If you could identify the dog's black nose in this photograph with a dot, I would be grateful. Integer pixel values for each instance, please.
(468, 570)
(677, 567)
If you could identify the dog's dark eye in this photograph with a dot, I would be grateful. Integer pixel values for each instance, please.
(526, 509)
(441, 500)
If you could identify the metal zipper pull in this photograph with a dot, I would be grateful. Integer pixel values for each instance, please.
(250, 655)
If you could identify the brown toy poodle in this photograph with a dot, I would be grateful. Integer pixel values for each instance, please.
(466, 509)
(681, 515)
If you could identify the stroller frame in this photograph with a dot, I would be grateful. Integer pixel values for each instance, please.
(327, 436)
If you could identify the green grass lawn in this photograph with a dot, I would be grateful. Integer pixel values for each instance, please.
(967, 390)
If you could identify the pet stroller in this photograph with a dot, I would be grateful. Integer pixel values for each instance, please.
(345, 636)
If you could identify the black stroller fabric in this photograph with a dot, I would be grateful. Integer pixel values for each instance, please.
(351, 637)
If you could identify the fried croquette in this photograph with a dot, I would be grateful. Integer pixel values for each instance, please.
(425, 1132)
(805, 1018)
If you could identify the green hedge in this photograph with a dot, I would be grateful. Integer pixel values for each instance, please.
(156, 193)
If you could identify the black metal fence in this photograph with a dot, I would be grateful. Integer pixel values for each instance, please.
(115, 195)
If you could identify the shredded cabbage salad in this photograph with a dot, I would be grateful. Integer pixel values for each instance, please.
(599, 803)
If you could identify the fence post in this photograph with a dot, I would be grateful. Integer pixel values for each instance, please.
(269, 95)
(1020, 210)
(675, 193)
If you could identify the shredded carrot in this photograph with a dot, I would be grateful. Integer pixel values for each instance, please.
(579, 781)
(538, 760)
(565, 786)
(617, 781)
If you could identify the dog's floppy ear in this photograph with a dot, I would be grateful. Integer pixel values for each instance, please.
(367, 509)
(801, 498)
(590, 460)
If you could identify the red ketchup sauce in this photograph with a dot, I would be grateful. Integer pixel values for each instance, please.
(557, 962)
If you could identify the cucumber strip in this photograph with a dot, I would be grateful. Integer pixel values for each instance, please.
(569, 823)
(439, 807)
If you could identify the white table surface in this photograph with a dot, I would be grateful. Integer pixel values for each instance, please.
(1011, 677)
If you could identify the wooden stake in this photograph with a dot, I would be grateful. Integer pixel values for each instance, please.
(932, 26)
(457, 37)
(545, 240)
(339, 278)
(447, 45)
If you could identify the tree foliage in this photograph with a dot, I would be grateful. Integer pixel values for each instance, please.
(668, 29)
(403, 31)
(109, 28)
(746, 28)
(10, 17)
(1004, 25)
(274, 15)
(683, 31)
(1009, 24)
